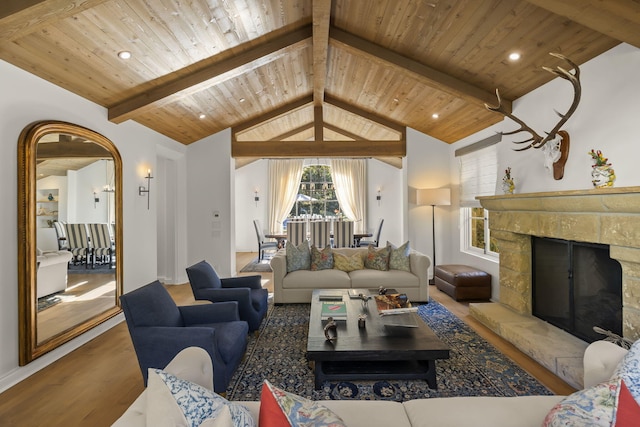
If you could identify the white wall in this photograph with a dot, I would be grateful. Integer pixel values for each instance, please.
(26, 99)
(170, 183)
(211, 200)
(428, 167)
(606, 119)
(248, 178)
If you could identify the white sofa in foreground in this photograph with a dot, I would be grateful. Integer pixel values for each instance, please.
(600, 360)
(297, 286)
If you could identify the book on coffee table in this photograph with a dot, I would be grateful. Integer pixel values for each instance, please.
(330, 296)
(335, 309)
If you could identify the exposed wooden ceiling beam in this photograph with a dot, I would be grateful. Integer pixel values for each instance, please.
(318, 123)
(20, 17)
(429, 76)
(184, 79)
(618, 19)
(302, 149)
(365, 114)
(321, 10)
(287, 108)
(72, 149)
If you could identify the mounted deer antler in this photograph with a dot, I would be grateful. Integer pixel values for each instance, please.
(559, 152)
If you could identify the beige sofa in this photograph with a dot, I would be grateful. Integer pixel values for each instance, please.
(297, 286)
(600, 360)
(52, 272)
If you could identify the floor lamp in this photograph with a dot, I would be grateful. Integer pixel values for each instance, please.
(433, 197)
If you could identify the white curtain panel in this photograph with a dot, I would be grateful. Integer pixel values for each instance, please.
(349, 177)
(284, 180)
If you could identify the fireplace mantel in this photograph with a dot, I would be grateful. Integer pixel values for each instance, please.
(608, 216)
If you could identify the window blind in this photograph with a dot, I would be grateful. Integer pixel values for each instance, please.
(478, 175)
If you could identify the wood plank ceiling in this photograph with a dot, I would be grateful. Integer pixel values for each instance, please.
(307, 78)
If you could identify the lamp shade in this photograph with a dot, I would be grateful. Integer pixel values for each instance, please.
(433, 197)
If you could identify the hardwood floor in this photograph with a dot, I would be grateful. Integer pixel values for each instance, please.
(93, 385)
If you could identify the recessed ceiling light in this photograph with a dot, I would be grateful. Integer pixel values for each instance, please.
(202, 116)
(435, 115)
(125, 54)
(514, 56)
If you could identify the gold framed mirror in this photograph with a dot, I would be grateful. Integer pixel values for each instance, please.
(69, 234)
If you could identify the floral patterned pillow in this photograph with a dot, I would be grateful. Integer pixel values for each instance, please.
(598, 405)
(298, 257)
(321, 260)
(593, 407)
(377, 259)
(172, 401)
(348, 263)
(399, 257)
(279, 408)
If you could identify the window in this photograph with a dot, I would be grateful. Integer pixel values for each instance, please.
(476, 230)
(317, 195)
(478, 175)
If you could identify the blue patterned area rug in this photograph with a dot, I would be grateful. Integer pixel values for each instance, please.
(475, 367)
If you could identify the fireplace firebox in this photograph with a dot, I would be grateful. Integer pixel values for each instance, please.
(576, 286)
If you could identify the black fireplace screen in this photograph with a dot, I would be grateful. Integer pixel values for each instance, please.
(577, 286)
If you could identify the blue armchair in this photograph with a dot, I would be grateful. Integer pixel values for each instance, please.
(246, 290)
(160, 329)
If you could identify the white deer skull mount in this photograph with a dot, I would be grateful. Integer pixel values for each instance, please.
(556, 151)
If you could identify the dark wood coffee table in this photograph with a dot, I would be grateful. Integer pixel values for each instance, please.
(376, 352)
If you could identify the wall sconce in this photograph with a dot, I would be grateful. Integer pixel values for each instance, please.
(256, 198)
(378, 197)
(142, 190)
(96, 200)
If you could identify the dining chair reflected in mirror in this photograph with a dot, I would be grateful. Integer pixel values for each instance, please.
(101, 244)
(263, 243)
(78, 243)
(61, 235)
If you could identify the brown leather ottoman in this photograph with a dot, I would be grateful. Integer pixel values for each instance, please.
(462, 282)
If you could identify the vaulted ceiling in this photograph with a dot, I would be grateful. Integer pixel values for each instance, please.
(307, 78)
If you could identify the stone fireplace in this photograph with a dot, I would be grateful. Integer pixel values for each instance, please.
(607, 216)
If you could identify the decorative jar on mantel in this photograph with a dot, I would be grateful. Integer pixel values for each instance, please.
(602, 174)
(508, 185)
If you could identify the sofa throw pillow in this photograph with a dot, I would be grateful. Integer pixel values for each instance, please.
(279, 408)
(321, 260)
(298, 257)
(348, 262)
(629, 370)
(628, 412)
(593, 407)
(399, 257)
(222, 420)
(598, 405)
(377, 259)
(172, 401)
